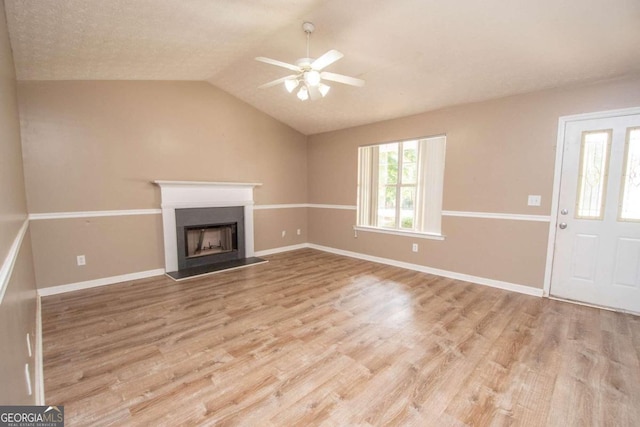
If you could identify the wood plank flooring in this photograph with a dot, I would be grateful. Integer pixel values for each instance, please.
(312, 338)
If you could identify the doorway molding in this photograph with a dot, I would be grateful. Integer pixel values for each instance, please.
(557, 173)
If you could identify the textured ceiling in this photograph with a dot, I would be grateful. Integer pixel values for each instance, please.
(415, 55)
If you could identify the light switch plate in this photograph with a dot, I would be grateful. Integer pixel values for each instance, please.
(534, 200)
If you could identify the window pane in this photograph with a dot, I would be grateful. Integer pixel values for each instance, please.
(592, 177)
(407, 207)
(388, 170)
(387, 206)
(409, 162)
(630, 205)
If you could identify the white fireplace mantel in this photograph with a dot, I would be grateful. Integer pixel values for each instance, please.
(199, 194)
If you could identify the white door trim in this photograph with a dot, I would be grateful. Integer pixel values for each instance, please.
(562, 123)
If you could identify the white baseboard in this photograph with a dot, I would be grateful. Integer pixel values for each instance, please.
(53, 290)
(514, 287)
(39, 364)
(522, 289)
(528, 290)
(281, 249)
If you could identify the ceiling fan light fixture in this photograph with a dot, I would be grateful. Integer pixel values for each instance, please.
(309, 75)
(291, 84)
(303, 94)
(312, 78)
(324, 89)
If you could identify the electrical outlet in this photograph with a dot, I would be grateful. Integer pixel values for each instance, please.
(534, 200)
(414, 247)
(81, 260)
(298, 231)
(284, 233)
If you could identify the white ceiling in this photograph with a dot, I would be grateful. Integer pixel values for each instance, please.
(415, 55)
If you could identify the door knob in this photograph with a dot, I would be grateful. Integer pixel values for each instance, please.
(562, 225)
(564, 211)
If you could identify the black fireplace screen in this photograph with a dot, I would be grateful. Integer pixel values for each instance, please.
(209, 235)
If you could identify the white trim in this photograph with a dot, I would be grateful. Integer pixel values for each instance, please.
(602, 114)
(522, 289)
(92, 214)
(207, 184)
(528, 290)
(307, 205)
(399, 233)
(10, 261)
(126, 212)
(60, 289)
(281, 249)
(39, 365)
(494, 215)
(343, 207)
(218, 204)
(555, 198)
(283, 206)
(198, 194)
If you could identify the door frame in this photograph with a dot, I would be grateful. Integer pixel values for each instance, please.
(563, 121)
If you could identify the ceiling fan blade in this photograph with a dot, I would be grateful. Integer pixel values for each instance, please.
(278, 63)
(277, 81)
(326, 60)
(342, 79)
(314, 93)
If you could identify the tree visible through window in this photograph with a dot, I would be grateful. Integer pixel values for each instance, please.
(400, 185)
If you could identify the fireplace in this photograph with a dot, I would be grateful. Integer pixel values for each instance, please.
(209, 235)
(207, 226)
(208, 240)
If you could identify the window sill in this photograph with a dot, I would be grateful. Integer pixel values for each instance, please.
(415, 234)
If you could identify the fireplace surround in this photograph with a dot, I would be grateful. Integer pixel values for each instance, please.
(209, 235)
(191, 210)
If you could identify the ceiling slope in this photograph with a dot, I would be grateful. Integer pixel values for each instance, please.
(415, 55)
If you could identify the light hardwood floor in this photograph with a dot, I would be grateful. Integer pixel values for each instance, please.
(312, 338)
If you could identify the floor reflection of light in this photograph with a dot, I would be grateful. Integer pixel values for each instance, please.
(390, 303)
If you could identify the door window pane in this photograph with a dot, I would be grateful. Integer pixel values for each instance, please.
(592, 175)
(630, 203)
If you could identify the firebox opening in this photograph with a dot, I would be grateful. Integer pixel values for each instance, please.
(209, 240)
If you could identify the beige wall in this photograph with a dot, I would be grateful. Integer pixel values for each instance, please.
(17, 307)
(98, 145)
(269, 225)
(498, 152)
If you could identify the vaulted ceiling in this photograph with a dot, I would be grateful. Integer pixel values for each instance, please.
(415, 55)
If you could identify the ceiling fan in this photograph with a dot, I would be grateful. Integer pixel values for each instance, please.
(308, 72)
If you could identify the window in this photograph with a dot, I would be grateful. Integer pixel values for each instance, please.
(400, 185)
(630, 197)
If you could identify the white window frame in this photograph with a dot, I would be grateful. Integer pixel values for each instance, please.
(429, 188)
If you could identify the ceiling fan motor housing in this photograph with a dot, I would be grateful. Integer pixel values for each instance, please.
(304, 63)
(308, 27)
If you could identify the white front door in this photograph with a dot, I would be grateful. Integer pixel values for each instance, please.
(597, 248)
